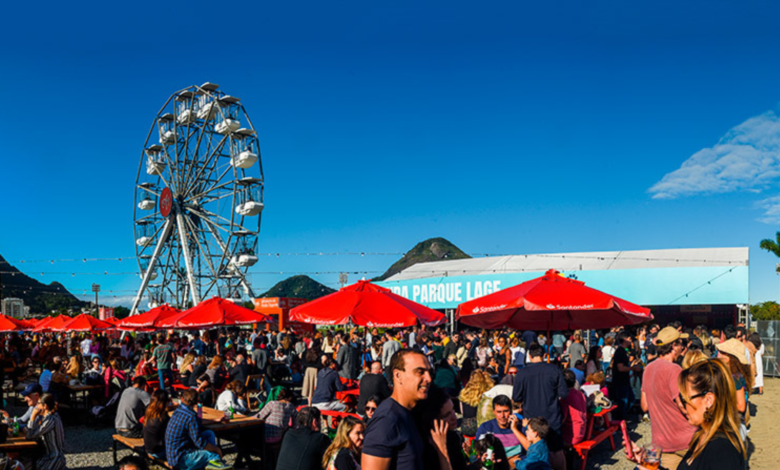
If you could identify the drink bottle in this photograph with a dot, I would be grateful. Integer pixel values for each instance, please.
(200, 411)
(488, 463)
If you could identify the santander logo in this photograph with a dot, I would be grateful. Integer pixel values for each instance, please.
(488, 309)
(569, 307)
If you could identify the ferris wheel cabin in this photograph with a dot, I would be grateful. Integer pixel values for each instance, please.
(144, 231)
(227, 120)
(249, 197)
(145, 199)
(167, 129)
(243, 149)
(185, 114)
(143, 262)
(245, 242)
(155, 164)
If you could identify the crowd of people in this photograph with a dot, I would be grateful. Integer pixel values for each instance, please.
(427, 398)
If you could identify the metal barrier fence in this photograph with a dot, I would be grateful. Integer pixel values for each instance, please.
(770, 336)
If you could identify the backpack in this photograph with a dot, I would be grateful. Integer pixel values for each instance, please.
(519, 359)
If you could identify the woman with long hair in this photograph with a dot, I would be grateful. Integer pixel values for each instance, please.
(484, 353)
(216, 371)
(594, 361)
(436, 420)
(45, 426)
(732, 353)
(692, 357)
(707, 396)
(198, 368)
(185, 368)
(75, 368)
(113, 375)
(155, 421)
(479, 383)
(344, 452)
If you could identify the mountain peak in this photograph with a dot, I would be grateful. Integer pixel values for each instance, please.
(301, 286)
(432, 249)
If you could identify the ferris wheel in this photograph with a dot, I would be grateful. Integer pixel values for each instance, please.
(198, 200)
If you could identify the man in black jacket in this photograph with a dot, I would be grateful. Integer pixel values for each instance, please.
(373, 384)
(303, 448)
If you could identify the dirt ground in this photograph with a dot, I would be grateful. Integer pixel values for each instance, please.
(765, 427)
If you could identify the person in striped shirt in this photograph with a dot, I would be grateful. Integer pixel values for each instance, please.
(45, 426)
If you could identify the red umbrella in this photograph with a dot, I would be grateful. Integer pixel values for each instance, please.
(27, 324)
(9, 324)
(149, 319)
(551, 302)
(366, 304)
(215, 312)
(52, 323)
(84, 322)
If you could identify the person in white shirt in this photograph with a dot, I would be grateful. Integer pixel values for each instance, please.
(86, 345)
(234, 396)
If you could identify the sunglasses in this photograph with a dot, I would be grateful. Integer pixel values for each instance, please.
(698, 395)
(370, 408)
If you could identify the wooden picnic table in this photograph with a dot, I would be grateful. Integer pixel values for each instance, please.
(18, 444)
(83, 389)
(15, 446)
(212, 421)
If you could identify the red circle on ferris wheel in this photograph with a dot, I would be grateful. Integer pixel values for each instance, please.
(166, 202)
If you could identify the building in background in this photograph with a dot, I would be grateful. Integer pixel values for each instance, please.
(14, 307)
(700, 286)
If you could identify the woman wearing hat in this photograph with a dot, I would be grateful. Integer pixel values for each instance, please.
(732, 353)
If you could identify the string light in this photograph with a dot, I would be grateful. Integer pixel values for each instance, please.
(365, 253)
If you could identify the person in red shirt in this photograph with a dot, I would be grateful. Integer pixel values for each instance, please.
(574, 409)
(660, 397)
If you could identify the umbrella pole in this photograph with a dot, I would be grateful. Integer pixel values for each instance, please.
(549, 343)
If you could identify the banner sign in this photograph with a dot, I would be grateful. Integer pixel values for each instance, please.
(656, 286)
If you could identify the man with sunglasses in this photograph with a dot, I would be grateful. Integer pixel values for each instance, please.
(660, 397)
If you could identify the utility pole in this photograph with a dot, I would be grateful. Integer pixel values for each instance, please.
(343, 279)
(96, 289)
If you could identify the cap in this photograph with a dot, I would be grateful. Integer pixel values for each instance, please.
(668, 335)
(32, 388)
(735, 348)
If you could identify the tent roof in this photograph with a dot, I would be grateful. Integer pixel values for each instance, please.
(587, 261)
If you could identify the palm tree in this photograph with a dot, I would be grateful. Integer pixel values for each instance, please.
(772, 246)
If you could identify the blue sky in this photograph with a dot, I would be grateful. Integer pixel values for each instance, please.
(507, 128)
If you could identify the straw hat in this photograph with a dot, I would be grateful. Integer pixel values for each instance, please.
(735, 348)
(669, 335)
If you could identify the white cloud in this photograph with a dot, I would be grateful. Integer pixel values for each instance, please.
(771, 208)
(747, 158)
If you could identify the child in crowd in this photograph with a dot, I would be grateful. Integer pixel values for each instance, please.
(537, 455)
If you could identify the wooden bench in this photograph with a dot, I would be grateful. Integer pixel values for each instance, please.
(136, 445)
(586, 446)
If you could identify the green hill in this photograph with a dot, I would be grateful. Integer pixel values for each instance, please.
(302, 287)
(41, 298)
(433, 249)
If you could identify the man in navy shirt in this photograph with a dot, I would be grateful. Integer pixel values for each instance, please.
(328, 383)
(392, 440)
(539, 386)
